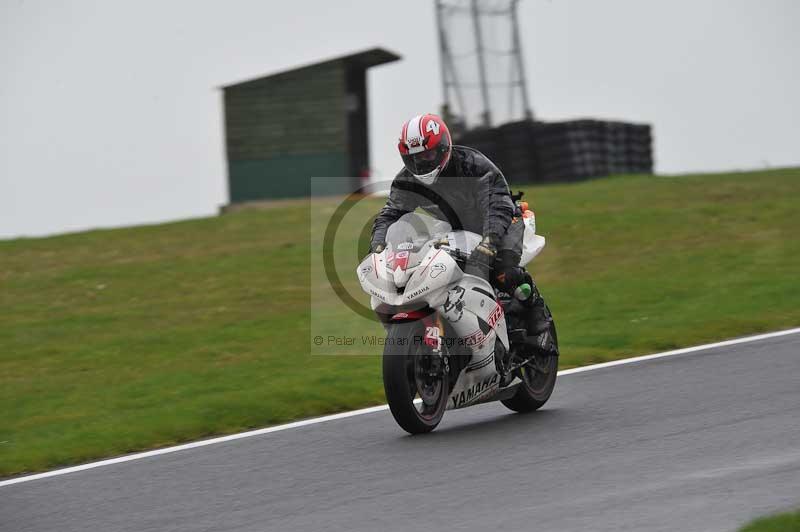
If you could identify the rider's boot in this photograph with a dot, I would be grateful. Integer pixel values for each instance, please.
(537, 317)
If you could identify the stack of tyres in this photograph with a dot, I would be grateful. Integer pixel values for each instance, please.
(581, 149)
(639, 150)
(614, 144)
(555, 151)
(487, 141)
(573, 150)
(519, 146)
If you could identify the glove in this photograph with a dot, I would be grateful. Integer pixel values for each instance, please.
(377, 247)
(485, 252)
(481, 260)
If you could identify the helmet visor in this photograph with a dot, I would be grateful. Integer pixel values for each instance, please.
(426, 161)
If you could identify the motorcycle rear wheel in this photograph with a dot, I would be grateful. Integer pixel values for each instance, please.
(538, 380)
(407, 368)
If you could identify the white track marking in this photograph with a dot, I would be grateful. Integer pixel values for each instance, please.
(726, 343)
(192, 445)
(373, 409)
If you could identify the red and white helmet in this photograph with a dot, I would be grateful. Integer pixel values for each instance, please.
(425, 147)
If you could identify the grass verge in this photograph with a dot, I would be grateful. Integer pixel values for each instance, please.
(788, 522)
(121, 340)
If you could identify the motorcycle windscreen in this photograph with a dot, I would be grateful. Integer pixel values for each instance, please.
(414, 226)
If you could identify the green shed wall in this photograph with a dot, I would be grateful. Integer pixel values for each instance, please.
(286, 176)
(284, 129)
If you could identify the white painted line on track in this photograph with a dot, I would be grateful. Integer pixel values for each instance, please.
(370, 410)
(704, 347)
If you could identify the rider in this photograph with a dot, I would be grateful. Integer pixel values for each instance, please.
(462, 186)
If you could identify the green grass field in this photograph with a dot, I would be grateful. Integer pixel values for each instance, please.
(788, 522)
(121, 340)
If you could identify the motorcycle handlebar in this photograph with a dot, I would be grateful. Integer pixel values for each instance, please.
(456, 253)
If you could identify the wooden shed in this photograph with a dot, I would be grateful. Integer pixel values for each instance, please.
(284, 128)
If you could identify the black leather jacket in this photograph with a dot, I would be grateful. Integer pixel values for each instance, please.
(470, 194)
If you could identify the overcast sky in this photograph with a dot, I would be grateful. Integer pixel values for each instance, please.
(111, 114)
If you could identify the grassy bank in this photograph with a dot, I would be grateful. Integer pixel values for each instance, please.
(121, 340)
(788, 522)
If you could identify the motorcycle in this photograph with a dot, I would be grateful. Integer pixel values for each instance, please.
(452, 340)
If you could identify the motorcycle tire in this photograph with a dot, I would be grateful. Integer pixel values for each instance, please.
(416, 401)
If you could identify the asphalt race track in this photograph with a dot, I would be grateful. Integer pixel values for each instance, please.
(696, 442)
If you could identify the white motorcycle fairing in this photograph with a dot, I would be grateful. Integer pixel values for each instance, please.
(448, 344)
(465, 301)
(478, 321)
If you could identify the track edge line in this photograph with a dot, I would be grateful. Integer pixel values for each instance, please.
(370, 410)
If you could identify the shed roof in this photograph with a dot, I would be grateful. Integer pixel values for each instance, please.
(363, 59)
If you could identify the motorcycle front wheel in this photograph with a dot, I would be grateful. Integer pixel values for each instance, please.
(415, 384)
